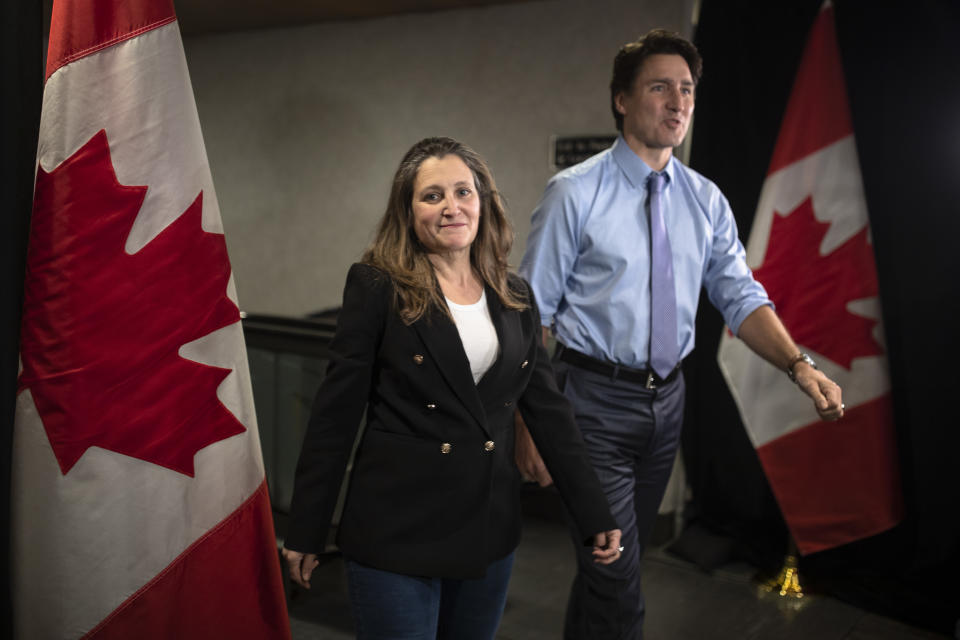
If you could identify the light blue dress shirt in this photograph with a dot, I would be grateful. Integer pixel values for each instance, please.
(588, 255)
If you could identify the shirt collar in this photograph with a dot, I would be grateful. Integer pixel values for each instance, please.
(634, 168)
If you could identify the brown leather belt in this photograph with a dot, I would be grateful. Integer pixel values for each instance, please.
(646, 377)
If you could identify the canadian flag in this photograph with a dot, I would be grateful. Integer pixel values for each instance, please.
(139, 503)
(810, 247)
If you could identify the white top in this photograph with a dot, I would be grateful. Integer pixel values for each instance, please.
(477, 333)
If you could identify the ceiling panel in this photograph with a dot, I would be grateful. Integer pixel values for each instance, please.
(209, 16)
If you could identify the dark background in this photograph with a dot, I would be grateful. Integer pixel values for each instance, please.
(902, 65)
(903, 74)
(21, 41)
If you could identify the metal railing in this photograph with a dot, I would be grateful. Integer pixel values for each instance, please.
(288, 358)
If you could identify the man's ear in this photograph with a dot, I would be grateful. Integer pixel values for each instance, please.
(618, 103)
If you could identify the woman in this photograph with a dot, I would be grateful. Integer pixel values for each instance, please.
(440, 346)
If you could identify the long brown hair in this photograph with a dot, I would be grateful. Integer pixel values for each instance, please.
(397, 250)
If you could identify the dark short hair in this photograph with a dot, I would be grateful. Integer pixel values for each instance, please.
(630, 59)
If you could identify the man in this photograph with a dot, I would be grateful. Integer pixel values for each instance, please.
(619, 247)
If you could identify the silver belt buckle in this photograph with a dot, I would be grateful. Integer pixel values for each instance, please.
(650, 384)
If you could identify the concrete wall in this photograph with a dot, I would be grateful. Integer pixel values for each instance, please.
(305, 126)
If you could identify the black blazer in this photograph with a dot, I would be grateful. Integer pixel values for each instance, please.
(434, 489)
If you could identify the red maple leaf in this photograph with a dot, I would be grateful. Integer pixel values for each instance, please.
(811, 290)
(101, 329)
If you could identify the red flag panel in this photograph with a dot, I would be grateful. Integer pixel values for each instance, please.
(78, 29)
(834, 481)
(211, 590)
(818, 113)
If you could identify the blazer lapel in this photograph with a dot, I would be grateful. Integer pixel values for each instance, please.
(442, 340)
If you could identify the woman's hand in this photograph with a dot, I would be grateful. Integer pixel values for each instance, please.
(301, 566)
(527, 457)
(606, 546)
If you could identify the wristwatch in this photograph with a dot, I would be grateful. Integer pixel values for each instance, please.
(800, 357)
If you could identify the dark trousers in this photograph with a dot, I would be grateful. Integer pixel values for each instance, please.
(394, 606)
(631, 434)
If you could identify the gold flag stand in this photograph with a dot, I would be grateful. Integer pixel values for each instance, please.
(787, 582)
(785, 589)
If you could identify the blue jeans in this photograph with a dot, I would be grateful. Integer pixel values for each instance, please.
(394, 606)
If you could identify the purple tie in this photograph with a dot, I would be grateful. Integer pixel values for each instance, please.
(663, 297)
